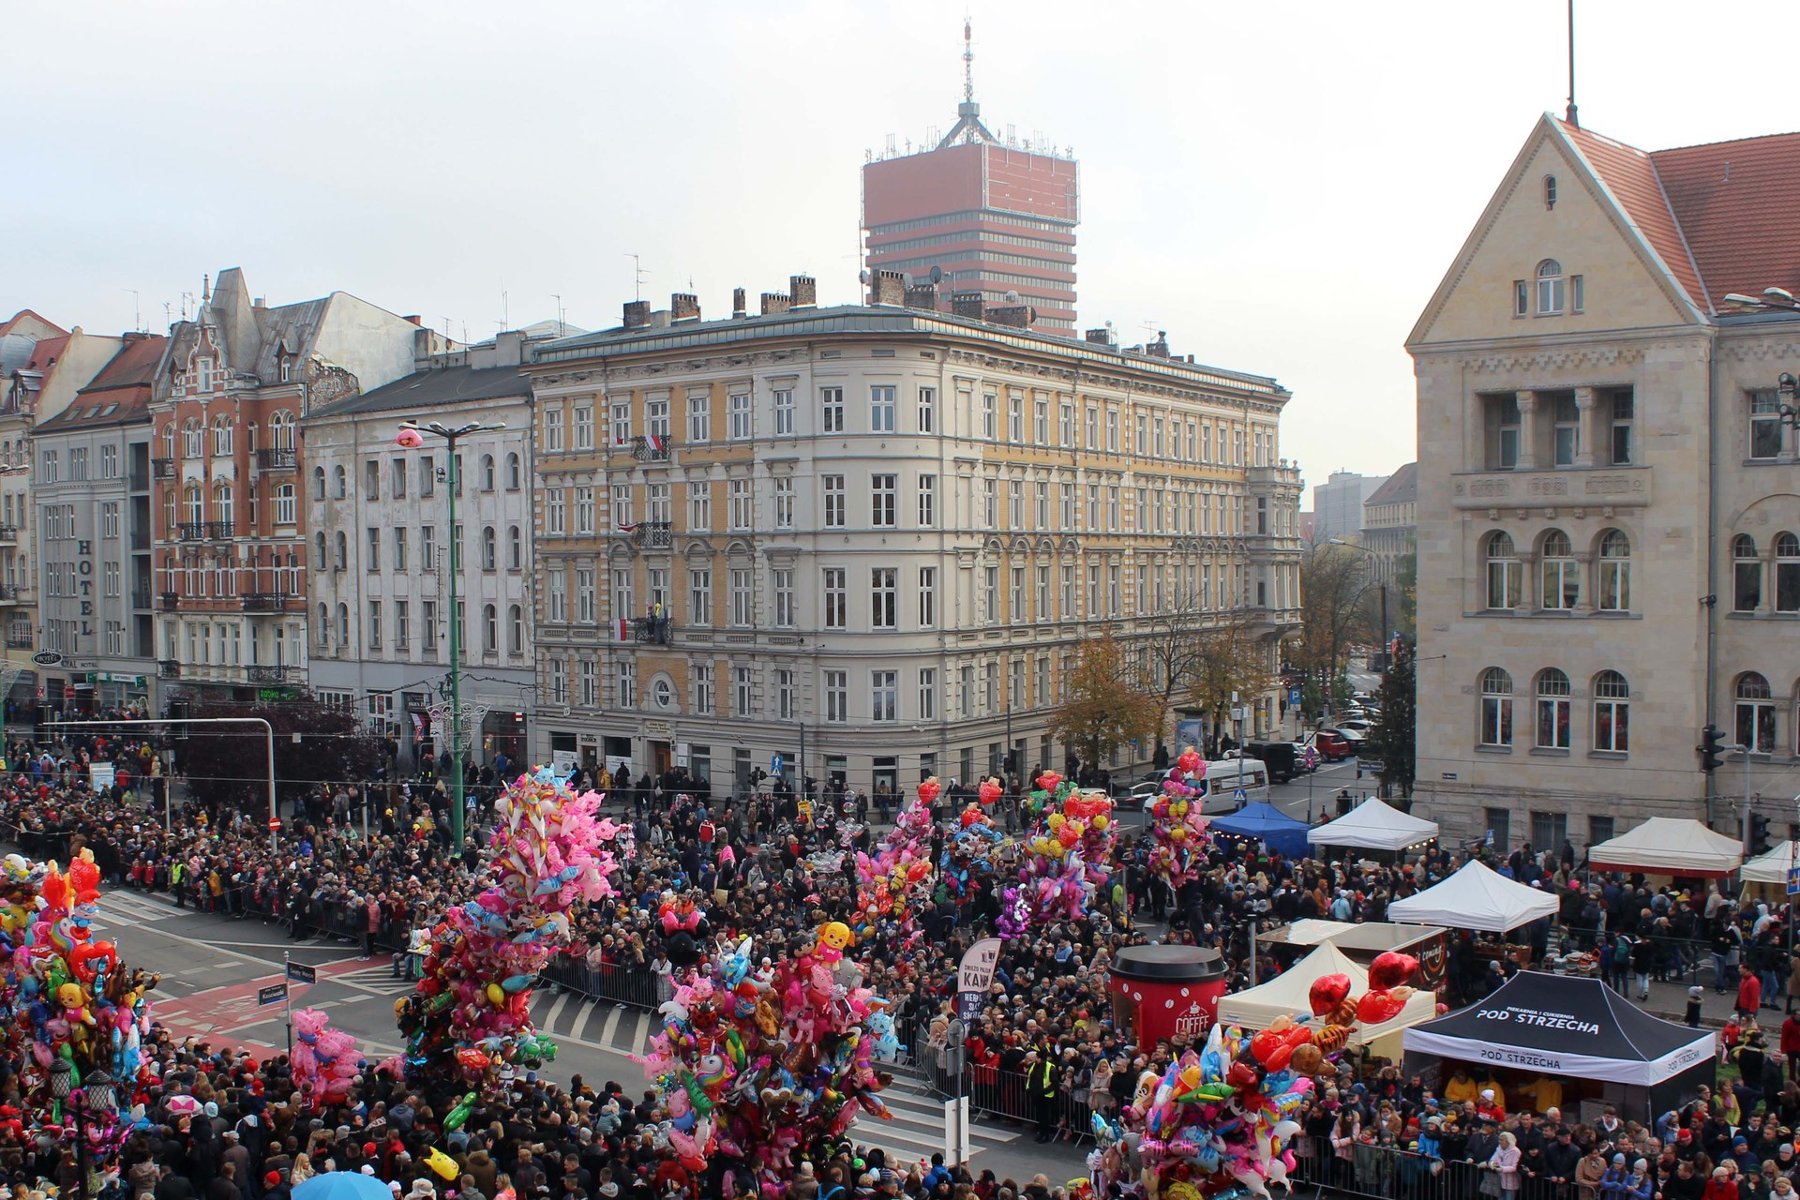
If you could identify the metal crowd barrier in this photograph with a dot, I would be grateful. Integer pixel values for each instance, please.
(1389, 1172)
(620, 983)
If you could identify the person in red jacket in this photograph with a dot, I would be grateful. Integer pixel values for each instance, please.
(1790, 1044)
(1749, 997)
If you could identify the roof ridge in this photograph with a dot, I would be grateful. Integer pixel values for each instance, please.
(1760, 137)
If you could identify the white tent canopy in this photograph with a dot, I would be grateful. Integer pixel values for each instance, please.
(1287, 995)
(1669, 846)
(1373, 825)
(1475, 898)
(1771, 867)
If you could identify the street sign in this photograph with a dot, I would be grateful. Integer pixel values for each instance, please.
(301, 973)
(275, 993)
(1293, 696)
(775, 764)
(101, 775)
(47, 658)
(275, 823)
(974, 975)
(1794, 881)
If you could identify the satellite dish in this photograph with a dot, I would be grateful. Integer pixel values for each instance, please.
(937, 275)
(1012, 297)
(862, 277)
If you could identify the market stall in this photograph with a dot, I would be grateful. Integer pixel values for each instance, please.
(1263, 822)
(1673, 846)
(1374, 825)
(1287, 944)
(1475, 898)
(1288, 995)
(1591, 1043)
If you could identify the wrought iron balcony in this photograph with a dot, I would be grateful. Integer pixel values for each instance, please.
(169, 601)
(9, 533)
(218, 531)
(191, 531)
(162, 468)
(278, 674)
(655, 631)
(268, 601)
(276, 459)
(651, 535)
(168, 668)
(652, 448)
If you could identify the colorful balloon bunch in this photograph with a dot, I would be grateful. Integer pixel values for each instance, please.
(966, 857)
(325, 1060)
(1178, 834)
(469, 1019)
(1066, 855)
(69, 998)
(895, 881)
(755, 1066)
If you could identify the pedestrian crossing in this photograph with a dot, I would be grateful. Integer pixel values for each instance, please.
(915, 1130)
(377, 978)
(140, 906)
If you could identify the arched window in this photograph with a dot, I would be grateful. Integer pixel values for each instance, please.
(343, 624)
(490, 629)
(193, 438)
(512, 473)
(286, 510)
(222, 505)
(1559, 572)
(196, 505)
(340, 482)
(1612, 713)
(1615, 572)
(1496, 707)
(1503, 572)
(487, 472)
(488, 548)
(1746, 574)
(515, 549)
(1787, 573)
(221, 434)
(322, 629)
(281, 430)
(318, 483)
(515, 630)
(1755, 714)
(1549, 287)
(319, 550)
(1552, 710)
(1549, 191)
(343, 552)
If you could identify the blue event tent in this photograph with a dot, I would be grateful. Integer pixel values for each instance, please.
(1268, 825)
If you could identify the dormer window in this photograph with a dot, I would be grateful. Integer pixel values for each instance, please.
(287, 368)
(1549, 191)
(1550, 288)
(203, 374)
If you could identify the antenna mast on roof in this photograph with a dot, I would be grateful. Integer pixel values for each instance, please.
(1572, 116)
(637, 276)
(969, 60)
(968, 127)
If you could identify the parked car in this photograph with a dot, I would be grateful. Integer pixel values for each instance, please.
(1278, 757)
(1140, 795)
(1352, 734)
(1332, 746)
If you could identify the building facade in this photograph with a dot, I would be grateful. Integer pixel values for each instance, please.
(870, 541)
(381, 543)
(1390, 522)
(91, 490)
(1338, 504)
(231, 540)
(1609, 494)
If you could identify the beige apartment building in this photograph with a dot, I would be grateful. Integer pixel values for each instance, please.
(871, 539)
(1609, 494)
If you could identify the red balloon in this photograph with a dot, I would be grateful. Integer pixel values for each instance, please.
(1391, 969)
(1376, 1007)
(1327, 992)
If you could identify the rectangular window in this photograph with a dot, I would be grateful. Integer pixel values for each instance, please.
(1015, 594)
(835, 593)
(584, 425)
(1612, 715)
(1501, 415)
(586, 609)
(742, 607)
(737, 408)
(928, 685)
(743, 692)
(883, 502)
(553, 441)
(882, 404)
(834, 500)
(428, 626)
(374, 624)
(558, 585)
(884, 695)
(831, 410)
(1041, 609)
(705, 698)
(1521, 298)
(1015, 504)
(371, 480)
(787, 697)
(988, 401)
(990, 594)
(1068, 508)
(1577, 294)
(837, 696)
(109, 462)
(1549, 294)
(374, 553)
(590, 683)
(784, 502)
(927, 597)
(656, 502)
(559, 681)
(402, 624)
(699, 418)
(584, 506)
(1624, 423)
(1015, 418)
(1065, 425)
(1499, 828)
(1040, 421)
(1091, 428)
(400, 548)
(927, 501)
(1140, 434)
(623, 602)
(1565, 431)
(990, 504)
(1765, 424)
(700, 596)
(1040, 505)
(699, 507)
(743, 507)
(927, 410)
(1066, 593)
(1553, 724)
(556, 512)
(1755, 726)
(784, 412)
(626, 678)
(656, 418)
(884, 598)
(782, 581)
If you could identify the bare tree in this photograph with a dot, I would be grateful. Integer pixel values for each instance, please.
(1104, 709)
(1231, 663)
(1333, 615)
(1172, 650)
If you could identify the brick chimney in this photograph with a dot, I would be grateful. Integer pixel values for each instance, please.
(737, 303)
(1019, 316)
(888, 287)
(637, 314)
(684, 306)
(805, 291)
(969, 304)
(922, 295)
(1100, 337)
(1160, 347)
(775, 302)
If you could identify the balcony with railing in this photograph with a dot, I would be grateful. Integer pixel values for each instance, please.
(191, 531)
(168, 668)
(652, 447)
(162, 468)
(138, 481)
(9, 534)
(256, 673)
(651, 535)
(276, 458)
(218, 531)
(142, 598)
(270, 602)
(10, 594)
(169, 601)
(653, 631)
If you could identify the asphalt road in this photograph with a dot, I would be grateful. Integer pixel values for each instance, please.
(212, 968)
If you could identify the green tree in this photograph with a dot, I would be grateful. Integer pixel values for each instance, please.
(1103, 709)
(1393, 732)
(226, 766)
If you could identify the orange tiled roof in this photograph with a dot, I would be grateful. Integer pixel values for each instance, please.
(1631, 176)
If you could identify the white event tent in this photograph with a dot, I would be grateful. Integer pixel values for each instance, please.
(1289, 994)
(1669, 846)
(1373, 825)
(1475, 898)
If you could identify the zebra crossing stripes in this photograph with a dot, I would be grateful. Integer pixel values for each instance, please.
(377, 977)
(140, 906)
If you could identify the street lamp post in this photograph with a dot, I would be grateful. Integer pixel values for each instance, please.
(94, 1102)
(411, 438)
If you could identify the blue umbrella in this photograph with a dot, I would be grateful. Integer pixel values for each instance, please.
(342, 1185)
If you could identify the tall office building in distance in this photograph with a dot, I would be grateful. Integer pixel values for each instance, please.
(976, 213)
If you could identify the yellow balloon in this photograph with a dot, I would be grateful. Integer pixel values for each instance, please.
(1100, 821)
(496, 995)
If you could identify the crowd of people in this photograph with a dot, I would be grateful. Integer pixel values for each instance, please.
(771, 865)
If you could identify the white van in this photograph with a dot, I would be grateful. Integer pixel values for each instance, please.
(1225, 780)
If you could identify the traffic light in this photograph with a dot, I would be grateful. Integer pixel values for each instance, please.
(1759, 834)
(1712, 739)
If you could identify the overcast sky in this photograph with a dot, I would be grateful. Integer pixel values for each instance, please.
(1280, 186)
